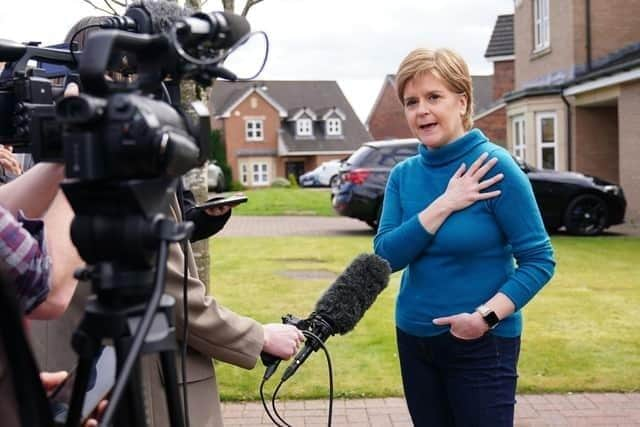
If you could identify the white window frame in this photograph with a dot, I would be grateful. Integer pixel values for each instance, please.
(304, 127)
(257, 129)
(244, 174)
(334, 126)
(260, 173)
(541, 145)
(541, 25)
(519, 144)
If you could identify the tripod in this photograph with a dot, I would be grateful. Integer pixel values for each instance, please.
(129, 307)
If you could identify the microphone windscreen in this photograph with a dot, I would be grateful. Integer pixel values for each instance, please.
(163, 13)
(344, 303)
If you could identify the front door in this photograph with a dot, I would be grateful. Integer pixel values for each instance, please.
(295, 168)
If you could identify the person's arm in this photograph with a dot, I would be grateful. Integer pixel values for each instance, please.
(465, 188)
(33, 191)
(24, 263)
(64, 260)
(216, 331)
(205, 223)
(518, 216)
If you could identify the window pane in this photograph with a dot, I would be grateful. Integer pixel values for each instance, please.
(255, 177)
(264, 167)
(547, 130)
(548, 158)
(255, 168)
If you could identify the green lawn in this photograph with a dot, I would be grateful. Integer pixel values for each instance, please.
(582, 332)
(287, 201)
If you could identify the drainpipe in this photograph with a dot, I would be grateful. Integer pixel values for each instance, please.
(569, 144)
(588, 33)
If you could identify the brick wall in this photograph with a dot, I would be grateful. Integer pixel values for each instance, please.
(629, 118)
(596, 142)
(387, 120)
(530, 66)
(614, 25)
(494, 126)
(503, 78)
(234, 129)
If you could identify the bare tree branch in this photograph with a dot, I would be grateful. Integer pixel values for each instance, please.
(227, 5)
(111, 12)
(113, 9)
(120, 3)
(203, 2)
(248, 6)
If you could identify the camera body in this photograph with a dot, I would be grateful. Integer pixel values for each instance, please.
(125, 136)
(27, 100)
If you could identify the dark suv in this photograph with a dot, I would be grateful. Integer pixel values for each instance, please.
(363, 177)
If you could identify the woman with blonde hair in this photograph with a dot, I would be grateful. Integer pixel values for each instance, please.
(455, 217)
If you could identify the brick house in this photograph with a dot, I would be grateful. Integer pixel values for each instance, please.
(386, 119)
(277, 128)
(493, 118)
(576, 99)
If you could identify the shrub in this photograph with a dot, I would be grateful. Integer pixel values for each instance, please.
(293, 181)
(280, 182)
(236, 186)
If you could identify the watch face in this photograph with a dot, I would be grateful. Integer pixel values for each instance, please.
(489, 316)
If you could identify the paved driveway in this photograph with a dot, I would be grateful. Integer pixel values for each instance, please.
(331, 226)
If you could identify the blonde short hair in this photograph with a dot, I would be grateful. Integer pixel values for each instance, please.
(444, 64)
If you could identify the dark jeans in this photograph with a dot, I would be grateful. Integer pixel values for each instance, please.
(453, 382)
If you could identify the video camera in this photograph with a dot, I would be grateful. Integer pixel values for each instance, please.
(27, 99)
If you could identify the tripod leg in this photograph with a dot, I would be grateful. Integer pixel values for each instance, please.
(130, 411)
(167, 358)
(79, 390)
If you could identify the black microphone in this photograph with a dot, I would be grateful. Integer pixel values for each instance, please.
(221, 29)
(344, 303)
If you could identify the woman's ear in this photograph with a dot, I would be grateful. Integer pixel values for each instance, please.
(463, 104)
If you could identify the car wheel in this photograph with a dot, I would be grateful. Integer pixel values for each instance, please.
(333, 182)
(586, 215)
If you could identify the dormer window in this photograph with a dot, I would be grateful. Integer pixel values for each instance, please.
(304, 127)
(334, 127)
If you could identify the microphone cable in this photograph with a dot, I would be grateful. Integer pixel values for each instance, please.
(317, 339)
(185, 302)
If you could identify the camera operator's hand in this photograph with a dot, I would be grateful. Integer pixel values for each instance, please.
(72, 89)
(281, 340)
(8, 160)
(51, 380)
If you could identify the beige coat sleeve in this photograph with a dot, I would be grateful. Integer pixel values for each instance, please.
(214, 331)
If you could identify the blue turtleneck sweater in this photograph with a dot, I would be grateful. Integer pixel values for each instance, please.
(471, 256)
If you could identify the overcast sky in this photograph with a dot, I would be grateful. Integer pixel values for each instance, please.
(355, 42)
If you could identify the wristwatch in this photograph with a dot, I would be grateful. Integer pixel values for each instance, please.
(488, 315)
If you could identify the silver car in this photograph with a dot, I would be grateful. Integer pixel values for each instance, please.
(215, 178)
